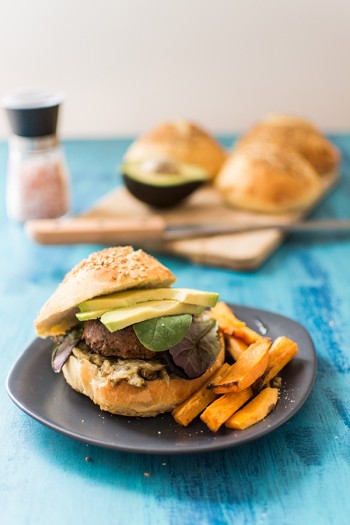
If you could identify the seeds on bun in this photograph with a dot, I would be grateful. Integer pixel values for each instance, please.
(127, 340)
(107, 271)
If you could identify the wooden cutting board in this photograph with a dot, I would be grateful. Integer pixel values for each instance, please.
(243, 251)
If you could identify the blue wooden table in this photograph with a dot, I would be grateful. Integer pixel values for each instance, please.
(299, 474)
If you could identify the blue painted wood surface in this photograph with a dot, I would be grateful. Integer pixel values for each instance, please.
(300, 474)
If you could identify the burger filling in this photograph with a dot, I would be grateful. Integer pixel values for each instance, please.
(135, 371)
(122, 343)
(177, 345)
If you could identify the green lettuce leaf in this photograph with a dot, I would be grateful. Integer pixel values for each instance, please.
(162, 333)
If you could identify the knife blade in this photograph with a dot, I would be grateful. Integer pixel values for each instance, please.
(154, 230)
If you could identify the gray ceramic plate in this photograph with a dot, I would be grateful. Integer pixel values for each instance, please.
(47, 398)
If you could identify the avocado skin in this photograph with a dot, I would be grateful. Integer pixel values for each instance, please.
(160, 196)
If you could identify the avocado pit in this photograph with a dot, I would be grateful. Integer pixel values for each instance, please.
(162, 182)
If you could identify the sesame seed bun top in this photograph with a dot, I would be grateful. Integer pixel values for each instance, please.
(107, 271)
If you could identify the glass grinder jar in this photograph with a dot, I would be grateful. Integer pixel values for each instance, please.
(37, 183)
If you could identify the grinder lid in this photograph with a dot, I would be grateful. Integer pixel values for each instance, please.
(32, 113)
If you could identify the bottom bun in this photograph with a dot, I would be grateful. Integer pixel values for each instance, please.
(156, 397)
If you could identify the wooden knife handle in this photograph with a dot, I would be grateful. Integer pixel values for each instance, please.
(96, 231)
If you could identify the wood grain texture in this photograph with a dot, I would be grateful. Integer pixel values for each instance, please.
(299, 474)
(240, 251)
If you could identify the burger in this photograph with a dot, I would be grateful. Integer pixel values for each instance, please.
(125, 338)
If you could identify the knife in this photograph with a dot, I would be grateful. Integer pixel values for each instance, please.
(155, 230)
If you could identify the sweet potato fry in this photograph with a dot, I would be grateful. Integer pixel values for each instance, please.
(250, 365)
(220, 410)
(225, 317)
(246, 334)
(259, 383)
(231, 325)
(281, 352)
(235, 346)
(196, 403)
(255, 410)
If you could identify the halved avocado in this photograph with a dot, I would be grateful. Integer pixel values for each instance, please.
(162, 183)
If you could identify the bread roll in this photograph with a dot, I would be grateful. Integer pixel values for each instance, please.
(294, 133)
(266, 178)
(182, 141)
(156, 397)
(107, 271)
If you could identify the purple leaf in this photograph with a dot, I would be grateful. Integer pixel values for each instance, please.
(63, 349)
(199, 349)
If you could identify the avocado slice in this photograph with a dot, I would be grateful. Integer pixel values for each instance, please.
(87, 316)
(129, 297)
(122, 317)
(162, 183)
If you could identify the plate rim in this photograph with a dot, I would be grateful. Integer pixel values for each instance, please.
(187, 449)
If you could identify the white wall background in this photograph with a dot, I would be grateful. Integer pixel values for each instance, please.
(126, 64)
